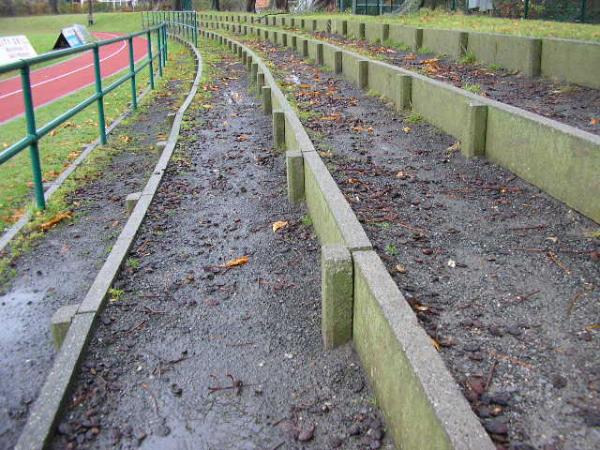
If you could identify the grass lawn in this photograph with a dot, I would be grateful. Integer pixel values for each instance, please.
(60, 147)
(447, 20)
(42, 31)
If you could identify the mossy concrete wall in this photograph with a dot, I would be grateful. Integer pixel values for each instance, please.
(333, 219)
(441, 105)
(422, 405)
(452, 43)
(323, 25)
(382, 79)
(350, 66)
(411, 37)
(329, 58)
(355, 29)
(376, 31)
(512, 52)
(339, 26)
(574, 61)
(560, 160)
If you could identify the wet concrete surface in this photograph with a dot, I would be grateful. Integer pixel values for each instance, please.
(194, 354)
(503, 277)
(61, 266)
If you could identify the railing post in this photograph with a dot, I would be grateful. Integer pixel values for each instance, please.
(100, 95)
(150, 58)
(132, 74)
(34, 151)
(166, 42)
(196, 28)
(160, 51)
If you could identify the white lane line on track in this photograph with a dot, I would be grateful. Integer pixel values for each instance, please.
(123, 45)
(52, 100)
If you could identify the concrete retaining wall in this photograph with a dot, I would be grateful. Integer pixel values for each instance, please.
(573, 61)
(549, 161)
(411, 37)
(376, 31)
(355, 30)
(562, 59)
(513, 52)
(560, 160)
(410, 380)
(452, 43)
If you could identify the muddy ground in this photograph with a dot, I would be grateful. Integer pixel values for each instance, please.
(193, 354)
(503, 277)
(61, 266)
(567, 103)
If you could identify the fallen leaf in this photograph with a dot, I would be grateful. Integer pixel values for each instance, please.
(242, 138)
(436, 344)
(420, 307)
(236, 262)
(331, 117)
(400, 268)
(56, 220)
(280, 224)
(595, 121)
(207, 106)
(454, 147)
(406, 130)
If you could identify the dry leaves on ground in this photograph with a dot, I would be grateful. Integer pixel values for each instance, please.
(279, 225)
(236, 262)
(56, 220)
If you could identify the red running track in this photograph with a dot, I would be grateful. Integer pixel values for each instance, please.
(53, 82)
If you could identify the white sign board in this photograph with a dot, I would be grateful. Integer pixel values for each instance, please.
(13, 48)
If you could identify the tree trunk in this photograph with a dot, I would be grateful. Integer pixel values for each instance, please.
(53, 6)
(7, 8)
(177, 5)
(281, 5)
(251, 6)
(326, 5)
(432, 4)
(215, 5)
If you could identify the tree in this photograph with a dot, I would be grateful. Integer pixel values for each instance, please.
(215, 5)
(53, 6)
(281, 5)
(326, 5)
(7, 8)
(432, 4)
(251, 6)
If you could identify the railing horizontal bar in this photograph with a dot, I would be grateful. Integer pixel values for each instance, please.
(67, 51)
(141, 66)
(16, 148)
(47, 128)
(115, 84)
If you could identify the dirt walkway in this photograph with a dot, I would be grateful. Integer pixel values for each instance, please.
(567, 103)
(192, 354)
(503, 277)
(61, 267)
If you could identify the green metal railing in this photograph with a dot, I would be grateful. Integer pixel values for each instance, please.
(181, 23)
(35, 134)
